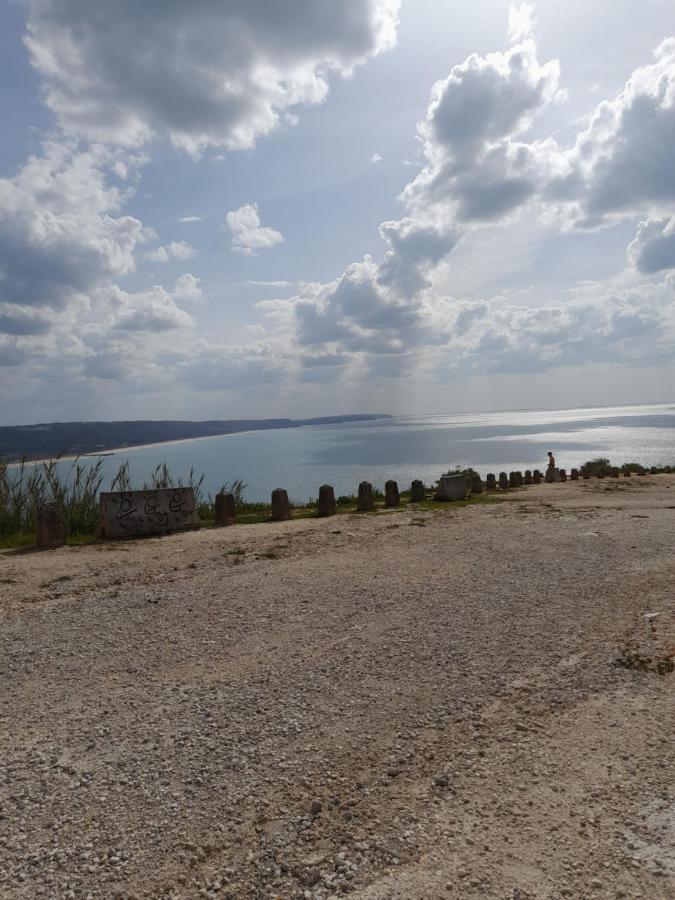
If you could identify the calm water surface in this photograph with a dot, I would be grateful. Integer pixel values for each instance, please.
(404, 448)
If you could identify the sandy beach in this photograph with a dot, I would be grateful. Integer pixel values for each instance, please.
(448, 703)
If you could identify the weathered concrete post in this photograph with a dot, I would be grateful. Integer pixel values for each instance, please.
(513, 481)
(50, 529)
(476, 484)
(418, 492)
(503, 481)
(627, 473)
(563, 475)
(327, 506)
(519, 479)
(528, 476)
(490, 482)
(391, 495)
(616, 473)
(536, 477)
(574, 474)
(281, 507)
(451, 487)
(365, 502)
(224, 511)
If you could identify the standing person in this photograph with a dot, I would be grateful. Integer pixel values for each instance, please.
(550, 469)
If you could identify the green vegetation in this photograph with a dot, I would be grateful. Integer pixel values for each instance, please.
(25, 488)
(602, 466)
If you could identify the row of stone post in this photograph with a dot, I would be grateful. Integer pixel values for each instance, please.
(281, 507)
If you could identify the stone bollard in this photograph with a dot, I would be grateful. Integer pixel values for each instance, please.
(536, 477)
(616, 473)
(365, 502)
(563, 475)
(418, 492)
(224, 511)
(476, 484)
(327, 505)
(528, 476)
(391, 495)
(519, 479)
(281, 508)
(574, 475)
(451, 487)
(513, 482)
(503, 481)
(50, 529)
(627, 473)
(667, 470)
(490, 482)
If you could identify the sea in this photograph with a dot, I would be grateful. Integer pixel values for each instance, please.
(404, 448)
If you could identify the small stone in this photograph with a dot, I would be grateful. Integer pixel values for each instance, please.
(441, 780)
(315, 807)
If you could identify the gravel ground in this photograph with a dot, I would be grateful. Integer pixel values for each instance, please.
(409, 705)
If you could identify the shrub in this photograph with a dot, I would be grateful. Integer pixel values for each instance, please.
(599, 466)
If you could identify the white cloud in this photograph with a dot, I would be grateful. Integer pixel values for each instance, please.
(653, 249)
(146, 311)
(61, 232)
(217, 73)
(174, 250)
(188, 220)
(187, 289)
(248, 235)
(521, 22)
(389, 319)
(376, 158)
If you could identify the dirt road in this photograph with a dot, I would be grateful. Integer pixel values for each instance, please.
(402, 705)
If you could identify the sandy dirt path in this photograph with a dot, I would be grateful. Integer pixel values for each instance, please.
(405, 705)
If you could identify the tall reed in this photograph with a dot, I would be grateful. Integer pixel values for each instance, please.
(26, 487)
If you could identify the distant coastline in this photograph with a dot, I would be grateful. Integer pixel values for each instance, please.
(69, 440)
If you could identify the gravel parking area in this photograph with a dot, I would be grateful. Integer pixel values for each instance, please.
(413, 704)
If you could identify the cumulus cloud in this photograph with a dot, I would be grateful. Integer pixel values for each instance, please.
(147, 311)
(187, 289)
(174, 250)
(61, 231)
(478, 169)
(20, 320)
(653, 249)
(521, 22)
(248, 235)
(217, 73)
(621, 163)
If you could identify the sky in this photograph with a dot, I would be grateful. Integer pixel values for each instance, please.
(248, 208)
